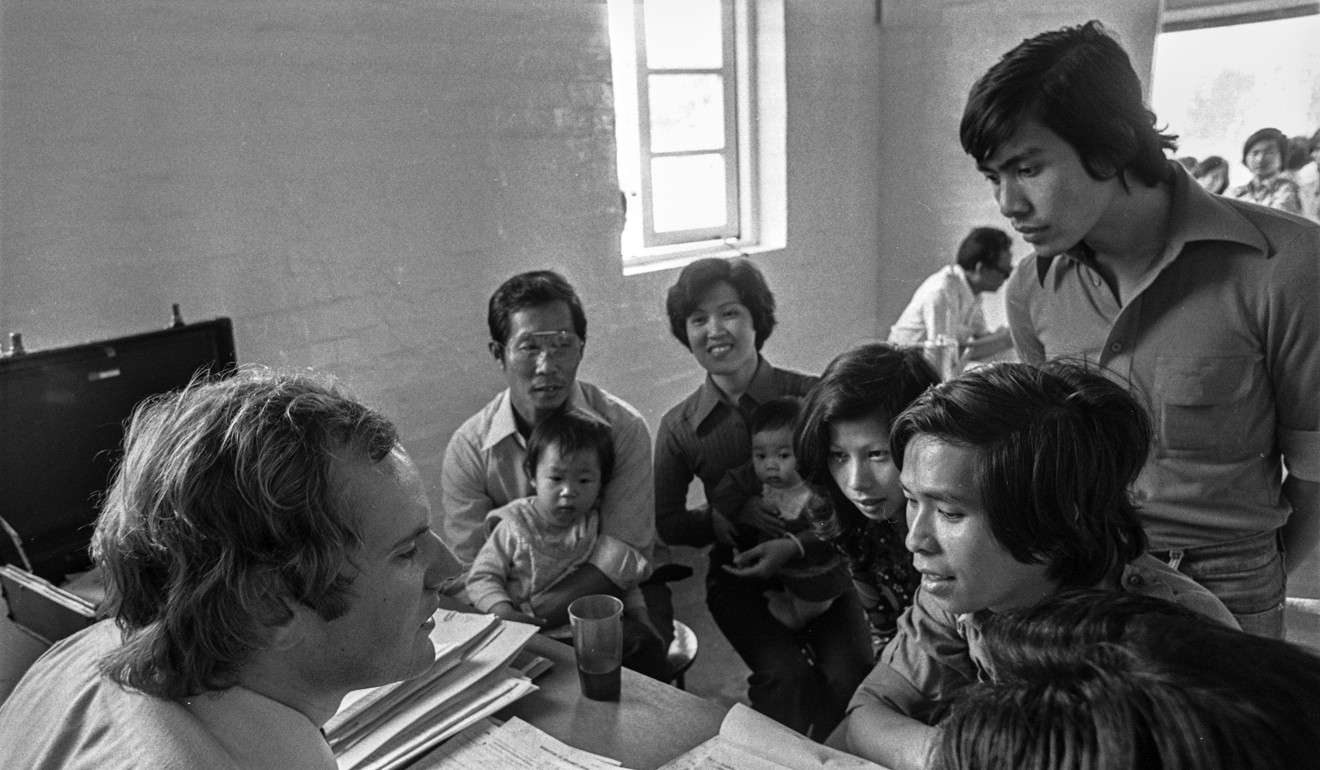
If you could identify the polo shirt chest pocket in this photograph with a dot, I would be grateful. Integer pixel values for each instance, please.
(1199, 402)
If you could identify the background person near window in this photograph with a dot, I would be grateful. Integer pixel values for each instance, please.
(1212, 173)
(1263, 155)
(947, 305)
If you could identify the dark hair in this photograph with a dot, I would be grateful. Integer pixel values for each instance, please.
(532, 289)
(1267, 135)
(776, 414)
(572, 431)
(1209, 166)
(1057, 448)
(983, 245)
(1099, 679)
(224, 510)
(1298, 153)
(1045, 639)
(698, 278)
(876, 379)
(1079, 83)
(1314, 143)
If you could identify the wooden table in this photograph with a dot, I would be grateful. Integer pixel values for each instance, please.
(649, 725)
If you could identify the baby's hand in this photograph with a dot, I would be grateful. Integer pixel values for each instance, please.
(765, 518)
(506, 611)
(763, 560)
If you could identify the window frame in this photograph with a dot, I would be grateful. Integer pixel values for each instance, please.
(756, 117)
(1183, 17)
(729, 72)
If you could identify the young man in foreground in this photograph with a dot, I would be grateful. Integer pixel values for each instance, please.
(1016, 479)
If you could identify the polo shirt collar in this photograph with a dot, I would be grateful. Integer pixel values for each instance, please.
(1195, 214)
(761, 389)
(503, 424)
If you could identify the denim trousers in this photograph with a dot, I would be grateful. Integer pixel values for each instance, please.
(1246, 574)
(803, 679)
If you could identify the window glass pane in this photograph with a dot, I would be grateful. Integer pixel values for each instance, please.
(687, 112)
(688, 192)
(1215, 86)
(683, 34)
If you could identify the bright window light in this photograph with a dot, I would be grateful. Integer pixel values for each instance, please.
(1216, 85)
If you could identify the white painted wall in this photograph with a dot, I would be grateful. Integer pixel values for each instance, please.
(932, 51)
(349, 181)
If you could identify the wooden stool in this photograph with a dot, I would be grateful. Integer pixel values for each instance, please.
(682, 651)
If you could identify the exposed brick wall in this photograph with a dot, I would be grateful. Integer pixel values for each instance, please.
(348, 180)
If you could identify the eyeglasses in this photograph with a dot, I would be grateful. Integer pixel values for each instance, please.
(557, 346)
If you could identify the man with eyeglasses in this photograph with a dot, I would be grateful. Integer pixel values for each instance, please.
(538, 329)
(947, 305)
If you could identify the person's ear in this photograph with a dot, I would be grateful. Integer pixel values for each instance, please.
(289, 632)
(497, 351)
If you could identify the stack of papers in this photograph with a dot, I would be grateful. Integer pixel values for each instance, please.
(387, 727)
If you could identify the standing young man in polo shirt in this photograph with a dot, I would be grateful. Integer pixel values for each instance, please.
(1206, 307)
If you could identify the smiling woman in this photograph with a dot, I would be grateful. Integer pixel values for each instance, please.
(722, 311)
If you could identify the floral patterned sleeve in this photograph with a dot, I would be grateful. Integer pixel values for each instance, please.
(1285, 197)
(878, 561)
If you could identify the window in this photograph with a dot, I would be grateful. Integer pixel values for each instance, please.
(698, 96)
(1221, 73)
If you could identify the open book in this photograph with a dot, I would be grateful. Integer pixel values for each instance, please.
(750, 740)
(471, 678)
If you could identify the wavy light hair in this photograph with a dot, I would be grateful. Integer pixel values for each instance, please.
(222, 513)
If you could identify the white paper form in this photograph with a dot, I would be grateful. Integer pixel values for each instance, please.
(515, 745)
